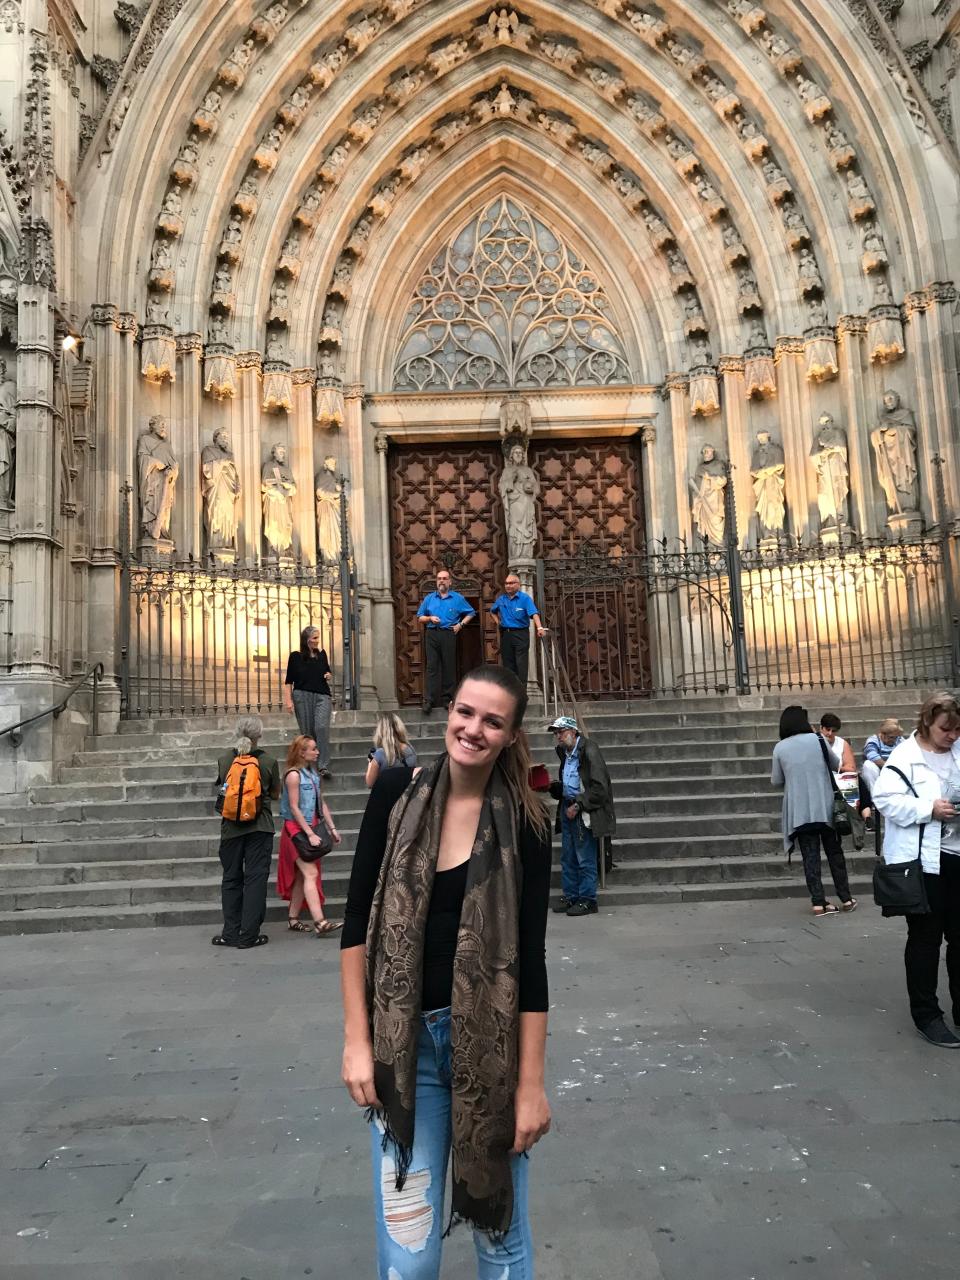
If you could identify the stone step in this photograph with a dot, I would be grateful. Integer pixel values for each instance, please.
(158, 914)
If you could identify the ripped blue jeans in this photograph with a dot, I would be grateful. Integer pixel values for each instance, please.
(411, 1222)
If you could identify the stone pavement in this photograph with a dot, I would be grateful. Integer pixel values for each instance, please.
(738, 1093)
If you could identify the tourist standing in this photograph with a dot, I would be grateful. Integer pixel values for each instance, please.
(443, 615)
(585, 815)
(514, 611)
(246, 848)
(391, 748)
(445, 988)
(301, 807)
(801, 767)
(878, 748)
(306, 694)
(918, 793)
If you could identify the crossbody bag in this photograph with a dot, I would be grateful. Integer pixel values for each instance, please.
(898, 887)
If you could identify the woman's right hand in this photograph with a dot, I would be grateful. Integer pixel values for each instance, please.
(943, 810)
(357, 1074)
(313, 838)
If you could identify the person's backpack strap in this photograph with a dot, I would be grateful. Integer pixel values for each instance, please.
(923, 826)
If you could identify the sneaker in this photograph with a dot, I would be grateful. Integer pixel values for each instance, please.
(562, 905)
(938, 1033)
(581, 908)
(592, 907)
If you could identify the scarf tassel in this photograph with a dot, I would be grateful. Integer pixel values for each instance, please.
(402, 1154)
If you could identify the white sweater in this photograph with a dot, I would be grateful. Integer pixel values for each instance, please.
(903, 812)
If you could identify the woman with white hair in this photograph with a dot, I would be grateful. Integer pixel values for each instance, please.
(247, 780)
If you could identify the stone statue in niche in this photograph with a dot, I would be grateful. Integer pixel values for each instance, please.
(220, 486)
(519, 491)
(708, 488)
(831, 462)
(8, 435)
(278, 490)
(894, 441)
(327, 496)
(767, 470)
(157, 471)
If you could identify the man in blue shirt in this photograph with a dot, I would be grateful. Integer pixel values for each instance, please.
(515, 610)
(443, 615)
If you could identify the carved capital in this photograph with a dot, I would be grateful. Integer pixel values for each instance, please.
(381, 442)
(250, 360)
(730, 364)
(676, 382)
(353, 391)
(788, 346)
(942, 291)
(302, 377)
(127, 323)
(851, 324)
(187, 342)
(917, 300)
(648, 435)
(105, 313)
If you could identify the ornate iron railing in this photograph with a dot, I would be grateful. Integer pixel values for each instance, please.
(199, 640)
(699, 619)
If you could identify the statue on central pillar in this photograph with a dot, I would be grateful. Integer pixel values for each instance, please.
(894, 441)
(519, 490)
(767, 469)
(220, 486)
(278, 490)
(157, 471)
(708, 487)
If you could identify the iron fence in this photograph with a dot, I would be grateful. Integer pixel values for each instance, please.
(200, 640)
(698, 619)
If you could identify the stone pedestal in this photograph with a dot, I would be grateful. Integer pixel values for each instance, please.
(526, 570)
(155, 550)
(905, 525)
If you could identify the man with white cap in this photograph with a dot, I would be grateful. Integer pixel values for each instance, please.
(585, 815)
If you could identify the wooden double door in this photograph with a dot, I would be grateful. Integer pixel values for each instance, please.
(445, 512)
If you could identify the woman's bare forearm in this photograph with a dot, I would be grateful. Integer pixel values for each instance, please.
(533, 1048)
(353, 988)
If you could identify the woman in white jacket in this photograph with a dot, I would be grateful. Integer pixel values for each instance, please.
(917, 792)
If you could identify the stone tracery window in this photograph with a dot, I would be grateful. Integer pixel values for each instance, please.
(508, 305)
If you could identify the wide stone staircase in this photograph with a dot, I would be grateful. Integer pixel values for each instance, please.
(128, 836)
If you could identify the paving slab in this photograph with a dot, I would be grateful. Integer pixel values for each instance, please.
(737, 1091)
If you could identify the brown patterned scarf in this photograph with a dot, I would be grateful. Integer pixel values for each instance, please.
(485, 1016)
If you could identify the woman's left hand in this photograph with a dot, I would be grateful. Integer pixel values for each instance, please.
(532, 1116)
(335, 835)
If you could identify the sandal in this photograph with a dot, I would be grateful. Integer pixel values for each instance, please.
(297, 926)
(849, 906)
(828, 910)
(321, 927)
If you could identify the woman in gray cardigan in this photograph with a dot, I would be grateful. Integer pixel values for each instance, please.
(799, 767)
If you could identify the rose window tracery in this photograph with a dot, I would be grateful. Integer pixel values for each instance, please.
(508, 304)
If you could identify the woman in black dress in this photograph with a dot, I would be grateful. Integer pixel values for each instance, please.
(306, 694)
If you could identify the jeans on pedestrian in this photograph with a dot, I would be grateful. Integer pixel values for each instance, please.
(578, 858)
(313, 712)
(246, 869)
(925, 933)
(809, 842)
(410, 1223)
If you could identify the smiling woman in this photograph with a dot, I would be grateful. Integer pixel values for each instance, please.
(445, 986)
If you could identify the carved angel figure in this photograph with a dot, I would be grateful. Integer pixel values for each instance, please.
(503, 24)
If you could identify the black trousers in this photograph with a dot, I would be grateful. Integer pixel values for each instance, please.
(246, 869)
(515, 651)
(809, 842)
(925, 933)
(441, 646)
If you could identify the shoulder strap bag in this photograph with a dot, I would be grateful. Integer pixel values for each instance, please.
(846, 820)
(306, 851)
(898, 887)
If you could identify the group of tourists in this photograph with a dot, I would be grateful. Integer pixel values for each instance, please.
(913, 782)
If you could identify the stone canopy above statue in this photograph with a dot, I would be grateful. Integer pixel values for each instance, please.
(509, 304)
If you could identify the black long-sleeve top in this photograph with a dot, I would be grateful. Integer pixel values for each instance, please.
(309, 674)
(446, 902)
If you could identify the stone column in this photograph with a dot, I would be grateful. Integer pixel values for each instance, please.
(653, 486)
(803, 517)
(676, 386)
(933, 333)
(247, 450)
(187, 521)
(738, 446)
(851, 332)
(382, 646)
(303, 464)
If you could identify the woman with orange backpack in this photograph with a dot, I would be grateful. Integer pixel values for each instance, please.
(308, 834)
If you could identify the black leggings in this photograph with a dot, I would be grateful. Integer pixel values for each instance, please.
(809, 841)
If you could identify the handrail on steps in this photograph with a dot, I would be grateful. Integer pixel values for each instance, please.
(16, 737)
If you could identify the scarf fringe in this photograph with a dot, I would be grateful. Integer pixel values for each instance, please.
(402, 1155)
(456, 1219)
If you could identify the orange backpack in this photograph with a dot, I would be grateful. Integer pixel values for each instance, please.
(241, 796)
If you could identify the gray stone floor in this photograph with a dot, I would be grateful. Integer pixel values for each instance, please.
(738, 1094)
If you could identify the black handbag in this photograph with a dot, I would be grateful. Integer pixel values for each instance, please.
(308, 852)
(898, 887)
(846, 820)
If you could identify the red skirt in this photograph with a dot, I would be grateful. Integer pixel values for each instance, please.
(287, 863)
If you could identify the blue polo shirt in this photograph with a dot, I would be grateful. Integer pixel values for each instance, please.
(514, 614)
(450, 609)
